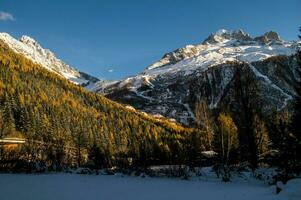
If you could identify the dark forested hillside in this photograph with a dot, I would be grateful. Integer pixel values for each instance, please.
(63, 124)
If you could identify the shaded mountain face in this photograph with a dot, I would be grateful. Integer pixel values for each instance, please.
(213, 71)
(32, 50)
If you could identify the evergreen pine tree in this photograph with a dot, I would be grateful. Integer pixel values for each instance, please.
(295, 144)
(246, 92)
(289, 135)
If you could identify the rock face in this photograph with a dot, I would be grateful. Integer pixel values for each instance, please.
(32, 50)
(223, 35)
(176, 56)
(268, 37)
(210, 71)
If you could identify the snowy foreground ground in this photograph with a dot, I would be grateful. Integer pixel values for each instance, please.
(118, 187)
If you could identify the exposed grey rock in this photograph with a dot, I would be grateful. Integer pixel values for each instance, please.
(176, 56)
(241, 36)
(272, 35)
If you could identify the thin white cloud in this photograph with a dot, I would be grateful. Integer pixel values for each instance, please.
(111, 70)
(5, 16)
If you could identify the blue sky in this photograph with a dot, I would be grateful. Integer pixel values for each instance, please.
(113, 39)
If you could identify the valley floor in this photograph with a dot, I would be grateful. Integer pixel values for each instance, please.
(118, 187)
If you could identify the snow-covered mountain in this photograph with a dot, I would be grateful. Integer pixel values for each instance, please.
(172, 86)
(32, 50)
(207, 71)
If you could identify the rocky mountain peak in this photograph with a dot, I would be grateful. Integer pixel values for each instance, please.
(176, 56)
(224, 43)
(29, 41)
(33, 44)
(32, 50)
(270, 36)
(240, 35)
(222, 35)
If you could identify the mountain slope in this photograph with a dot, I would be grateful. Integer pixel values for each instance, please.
(173, 85)
(61, 121)
(32, 50)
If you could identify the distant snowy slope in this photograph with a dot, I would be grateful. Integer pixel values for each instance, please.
(219, 48)
(32, 50)
(172, 85)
